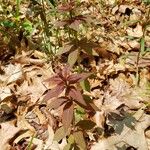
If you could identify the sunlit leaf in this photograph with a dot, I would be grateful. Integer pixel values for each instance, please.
(66, 7)
(71, 139)
(59, 134)
(142, 43)
(66, 71)
(68, 147)
(54, 92)
(61, 23)
(79, 139)
(64, 49)
(85, 85)
(53, 2)
(54, 80)
(76, 95)
(57, 102)
(72, 58)
(67, 115)
(75, 25)
(74, 78)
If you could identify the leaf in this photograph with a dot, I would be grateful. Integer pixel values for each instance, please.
(68, 147)
(71, 139)
(54, 92)
(76, 95)
(67, 115)
(53, 2)
(72, 58)
(75, 25)
(61, 23)
(57, 102)
(85, 85)
(142, 43)
(7, 132)
(59, 134)
(66, 7)
(66, 71)
(54, 80)
(64, 49)
(136, 32)
(86, 124)
(79, 139)
(74, 78)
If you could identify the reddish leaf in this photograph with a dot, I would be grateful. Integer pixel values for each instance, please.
(76, 96)
(74, 78)
(54, 92)
(57, 102)
(66, 71)
(67, 115)
(66, 7)
(75, 25)
(54, 80)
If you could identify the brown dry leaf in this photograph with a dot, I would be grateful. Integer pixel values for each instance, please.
(7, 132)
(41, 117)
(53, 145)
(134, 44)
(128, 135)
(12, 74)
(5, 92)
(122, 8)
(33, 85)
(99, 118)
(136, 32)
(24, 124)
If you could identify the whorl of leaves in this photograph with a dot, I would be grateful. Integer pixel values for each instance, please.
(64, 80)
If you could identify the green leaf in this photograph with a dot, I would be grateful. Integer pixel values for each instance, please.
(64, 49)
(86, 124)
(79, 114)
(72, 58)
(146, 1)
(68, 147)
(79, 140)
(85, 85)
(8, 23)
(59, 134)
(27, 25)
(142, 43)
(53, 2)
(71, 139)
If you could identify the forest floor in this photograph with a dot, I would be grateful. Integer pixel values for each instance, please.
(75, 75)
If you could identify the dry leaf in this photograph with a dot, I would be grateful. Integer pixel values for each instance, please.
(7, 132)
(136, 32)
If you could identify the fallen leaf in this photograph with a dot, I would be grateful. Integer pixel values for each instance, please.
(7, 132)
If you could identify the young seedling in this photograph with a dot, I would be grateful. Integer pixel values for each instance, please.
(65, 81)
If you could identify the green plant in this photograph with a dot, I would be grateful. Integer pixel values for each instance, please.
(71, 23)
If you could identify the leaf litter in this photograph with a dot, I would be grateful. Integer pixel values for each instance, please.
(37, 99)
